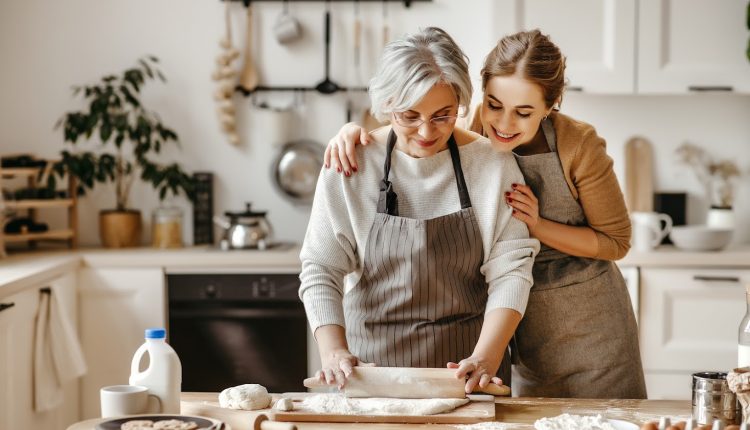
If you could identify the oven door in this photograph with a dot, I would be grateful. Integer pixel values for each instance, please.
(230, 330)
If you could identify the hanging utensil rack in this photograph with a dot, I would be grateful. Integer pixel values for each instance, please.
(299, 88)
(407, 3)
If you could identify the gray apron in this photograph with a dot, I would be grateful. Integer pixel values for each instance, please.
(421, 299)
(578, 337)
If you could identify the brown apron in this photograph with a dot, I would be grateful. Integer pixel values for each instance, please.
(421, 299)
(578, 337)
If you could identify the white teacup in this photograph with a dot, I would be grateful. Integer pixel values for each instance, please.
(119, 400)
(648, 230)
(287, 28)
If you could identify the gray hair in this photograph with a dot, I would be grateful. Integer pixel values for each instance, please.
(411, 66)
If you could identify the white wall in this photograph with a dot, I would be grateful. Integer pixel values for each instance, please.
(48, 46)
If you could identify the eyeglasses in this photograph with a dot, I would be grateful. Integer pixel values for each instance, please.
(438, 121)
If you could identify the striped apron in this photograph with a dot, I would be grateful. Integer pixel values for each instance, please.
(578, 337)
(420, 301)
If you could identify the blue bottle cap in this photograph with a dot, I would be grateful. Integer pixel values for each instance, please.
(156, 333)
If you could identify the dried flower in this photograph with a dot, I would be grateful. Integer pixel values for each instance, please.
(715, 176)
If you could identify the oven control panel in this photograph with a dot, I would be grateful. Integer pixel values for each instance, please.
(233, 287)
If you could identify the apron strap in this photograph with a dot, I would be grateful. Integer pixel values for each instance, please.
(549, 134)
(388, 199)
(463, 190)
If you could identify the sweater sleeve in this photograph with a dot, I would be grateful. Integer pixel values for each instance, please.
(329, 253)
(507, 269)
(601, 197)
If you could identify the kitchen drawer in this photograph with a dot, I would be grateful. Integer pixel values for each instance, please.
(689, 318)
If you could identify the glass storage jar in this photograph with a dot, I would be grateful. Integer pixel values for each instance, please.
(166, 227)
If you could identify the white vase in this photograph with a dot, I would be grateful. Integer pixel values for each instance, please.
(721, 217)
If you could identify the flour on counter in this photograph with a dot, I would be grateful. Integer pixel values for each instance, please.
(486, 426)
(573, 422)
(339, 404)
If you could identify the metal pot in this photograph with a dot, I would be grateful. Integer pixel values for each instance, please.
(296, 169)
(245, 230)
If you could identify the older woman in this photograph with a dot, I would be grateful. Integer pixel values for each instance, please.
(438, 269)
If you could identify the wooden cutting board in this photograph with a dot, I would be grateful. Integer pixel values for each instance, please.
(481, 408)
(639, 181)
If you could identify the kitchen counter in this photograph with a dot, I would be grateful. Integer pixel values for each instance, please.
(670, 256)
(29, 268)
(515, 413)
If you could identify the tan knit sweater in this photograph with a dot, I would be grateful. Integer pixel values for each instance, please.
(592, 181)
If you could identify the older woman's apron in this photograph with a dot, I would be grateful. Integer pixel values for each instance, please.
(578, 337)
(421, 299)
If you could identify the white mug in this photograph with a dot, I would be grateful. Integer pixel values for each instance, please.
(119, 400)
(648, 231)
(287, 28)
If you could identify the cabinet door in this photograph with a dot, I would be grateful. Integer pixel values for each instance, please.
(596, 36)
(116, 306)
(689, 45)
(690, 318)
(17, 332)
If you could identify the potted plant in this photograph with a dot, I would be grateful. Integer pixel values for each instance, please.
(115, 139)
(718, 179)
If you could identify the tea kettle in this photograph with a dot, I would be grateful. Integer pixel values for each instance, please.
(245, 230)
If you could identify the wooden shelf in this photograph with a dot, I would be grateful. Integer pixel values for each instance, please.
(31, 176)
(38, 203)
(45, 235)
(9, 172)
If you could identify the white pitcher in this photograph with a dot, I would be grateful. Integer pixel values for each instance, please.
(649, 228)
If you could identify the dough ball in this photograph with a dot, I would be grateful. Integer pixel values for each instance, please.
(284, 404)
(247, 397)
(137, 425)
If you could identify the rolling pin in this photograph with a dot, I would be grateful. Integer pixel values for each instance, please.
(261, 422)
(407, 383)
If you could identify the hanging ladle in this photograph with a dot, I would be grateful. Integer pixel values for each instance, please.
(327, 86)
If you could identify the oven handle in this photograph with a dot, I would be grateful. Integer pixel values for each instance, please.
(237, 313)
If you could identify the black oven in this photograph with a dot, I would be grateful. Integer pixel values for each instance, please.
(232, 329)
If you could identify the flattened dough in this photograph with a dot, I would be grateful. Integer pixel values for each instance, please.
(339, 404)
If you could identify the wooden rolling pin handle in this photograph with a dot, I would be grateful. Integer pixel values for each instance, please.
(314, 383)
(262, 422)
(494, 389)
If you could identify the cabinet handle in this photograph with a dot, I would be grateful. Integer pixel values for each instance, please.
(705, 88)
(575, 88)
(4, 306)
(733, 279)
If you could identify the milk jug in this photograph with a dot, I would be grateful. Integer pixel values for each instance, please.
(163, 377)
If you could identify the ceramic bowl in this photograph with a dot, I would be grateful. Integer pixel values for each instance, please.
(700, 237)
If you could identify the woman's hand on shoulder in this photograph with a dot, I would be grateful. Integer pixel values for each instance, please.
(337, 366)
(340, 153)
(477, 371)
(525, 205)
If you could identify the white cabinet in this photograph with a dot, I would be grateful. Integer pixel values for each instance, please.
(692, 45)
(116, 306)
(17, 327)
(596, 36)
(688, 323)
(640, 46)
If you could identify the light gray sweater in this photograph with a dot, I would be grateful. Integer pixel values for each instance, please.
(344, 208)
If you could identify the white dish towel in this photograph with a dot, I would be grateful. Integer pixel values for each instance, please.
(58, 357)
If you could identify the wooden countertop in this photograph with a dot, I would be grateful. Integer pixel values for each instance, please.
(515, 413)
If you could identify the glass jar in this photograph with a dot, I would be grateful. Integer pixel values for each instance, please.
(743, 340)
(166, 227)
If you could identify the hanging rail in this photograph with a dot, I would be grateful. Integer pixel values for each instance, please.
(407, 3)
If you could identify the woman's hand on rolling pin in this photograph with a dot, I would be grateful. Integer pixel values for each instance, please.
(525, 205)
(337, 367)
(479, 372)
(340, 153)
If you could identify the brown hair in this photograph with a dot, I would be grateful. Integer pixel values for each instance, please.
(534, 56)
